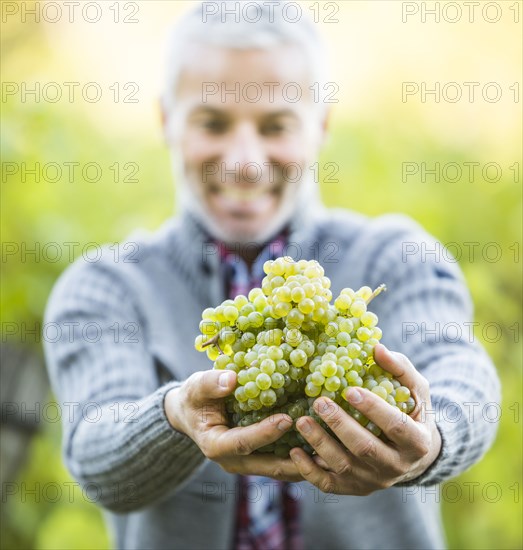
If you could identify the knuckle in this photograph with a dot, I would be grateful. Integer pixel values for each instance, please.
(335, 421)
(230, 467)
(366, 449)
(242, 446)
(343, 467)
(421, 447)
(278, 473)
(327, 485)
(397, 468)
(397, 428)
(423, 385)
(385, 483)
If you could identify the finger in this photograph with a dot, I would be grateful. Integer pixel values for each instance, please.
(320, 462)
(210, 384)
(325, 481)
(328, 449)
(396, 425)
(221, 441)
(402, 369)
(282, 469)
(398, 365)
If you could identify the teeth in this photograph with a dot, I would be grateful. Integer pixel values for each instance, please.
(240, 194)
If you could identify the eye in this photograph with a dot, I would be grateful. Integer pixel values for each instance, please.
(215, 125)
(273, 128)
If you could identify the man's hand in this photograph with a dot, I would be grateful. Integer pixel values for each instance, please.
(362, 463)
(197, 409)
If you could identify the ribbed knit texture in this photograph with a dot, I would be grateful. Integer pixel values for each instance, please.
(162, 294)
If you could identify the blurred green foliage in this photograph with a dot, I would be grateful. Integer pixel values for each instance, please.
(370, 181)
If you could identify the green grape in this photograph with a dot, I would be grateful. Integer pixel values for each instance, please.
(352, 377)
(282, 366)
(402, 394)
(373, 429)
(343, 338)
(345, 362)
(369, 383)
(411, 405)
(293, 337)
(369, 319)
(239, 358)
(295, 373)
(298, 358)
(198, 342)
(212, 352)
(222, 361)
(277, 380)
(239, 393)
(295, 318)
(342, 302)
(332, 383)
(380, 391)
(251, 389)
(248, 340)
(306, 306)
(353, 350)
(363, 334)
(327, 393)
(267, 397)
(243, 377)
(231, 313)
(253, 373)
(256, 319)
(254, 404)
(289, 344)
(365, 292)
(390, 400)
(341, 352)
(317, 378)
(263, 381)
(328, 368)
(358, 308)
(308, 347)
(298, 294)
(312, 390)
(329, 356)
(275, 353)
(268, 366)
(387, 384)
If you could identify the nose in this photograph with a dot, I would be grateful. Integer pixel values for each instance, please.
(244, 153)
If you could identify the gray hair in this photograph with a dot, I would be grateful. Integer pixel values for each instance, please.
(244, 25)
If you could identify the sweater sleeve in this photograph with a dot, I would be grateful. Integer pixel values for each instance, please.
(427, 314)
(118, 442)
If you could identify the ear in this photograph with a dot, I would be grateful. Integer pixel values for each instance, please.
(164, 118)
(325, 127)
(324, 131)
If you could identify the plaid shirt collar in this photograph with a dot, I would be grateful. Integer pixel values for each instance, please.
(240, 279)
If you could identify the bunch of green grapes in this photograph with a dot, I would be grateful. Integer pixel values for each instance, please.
(289, 345)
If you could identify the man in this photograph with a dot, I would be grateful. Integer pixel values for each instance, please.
(159, 454)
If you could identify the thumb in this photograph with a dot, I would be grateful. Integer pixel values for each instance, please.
(212, 384)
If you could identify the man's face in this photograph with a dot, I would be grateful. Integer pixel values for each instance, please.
(244, 143)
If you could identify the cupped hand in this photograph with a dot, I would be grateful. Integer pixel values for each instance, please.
(362, 463)
(197, 409)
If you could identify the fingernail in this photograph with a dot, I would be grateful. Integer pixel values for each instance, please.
(385, 348)
(304, 426)
(223, 381)
(294, 456)
(354, 396)
(284, 425)
(321, 405)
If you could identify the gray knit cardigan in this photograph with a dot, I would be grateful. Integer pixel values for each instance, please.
(128, 325)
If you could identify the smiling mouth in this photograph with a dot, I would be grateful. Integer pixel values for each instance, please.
(244, 193)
